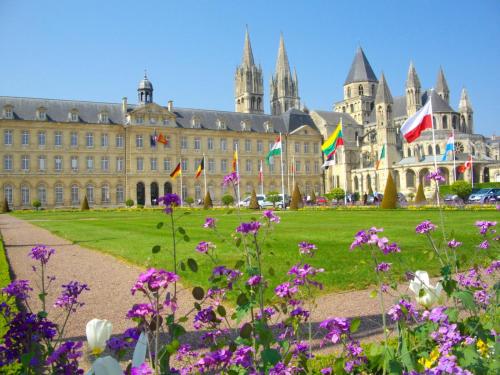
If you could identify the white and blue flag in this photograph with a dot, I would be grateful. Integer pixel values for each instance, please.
(450, 146)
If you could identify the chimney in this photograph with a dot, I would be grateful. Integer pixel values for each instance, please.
(170, 105)
(124, 105)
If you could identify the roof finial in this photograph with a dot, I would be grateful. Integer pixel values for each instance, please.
(145, 73)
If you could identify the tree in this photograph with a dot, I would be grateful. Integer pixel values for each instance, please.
(254, 203)
(296, 198)
(207, 203)
(462, 188)
(313, 197)
(420, 197)
(189, 201)
(36, 204)
(390, 199)
(273, 197)
(129, 203)
(85, 204)
(5, 206)
(227, 200)
(337, 194)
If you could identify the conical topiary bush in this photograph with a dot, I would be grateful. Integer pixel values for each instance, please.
(207, 202)
(85, 204)
(5, 206)
(390, 199)
(254, 203)
(296, 198)
(420, 197)
(313, 197)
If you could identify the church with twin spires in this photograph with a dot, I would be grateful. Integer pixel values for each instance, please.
(58, 151)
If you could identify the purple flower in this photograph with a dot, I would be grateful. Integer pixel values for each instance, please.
(231, 275)
(300, 313)
(482, 297)
(454, 244)
(152, 280)
(169, 201)
(403, 309)
(304, 273)
(254, 280)
(41, 253)
(68, 299)
(281, 369)
(383, 267)
(123, 342)
(485, 225)
(436, 315)
(141, 311)
(337, 328)
(307, 248)
(286, 290)
(425, 227)
(484, 245)
(231, 179)
(209, 222)
(267, 313)
(64, 360)
(495, 265)
(143, 369)
(206, 317)
(243, 356)
(185, 351)
(204, 246)
(268, 214)
(251, 227)
(436, 176)
(327, 371)
(18, 289)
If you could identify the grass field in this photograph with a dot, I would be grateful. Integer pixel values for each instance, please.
(130, 235)
(4, 281)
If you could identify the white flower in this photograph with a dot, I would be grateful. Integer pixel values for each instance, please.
(106, 366)
(425, 293)
(98, 332)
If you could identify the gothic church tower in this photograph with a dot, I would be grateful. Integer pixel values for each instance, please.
(413, 91)
(442, 86)
(248, 82)
(284, 86)
(466, 112)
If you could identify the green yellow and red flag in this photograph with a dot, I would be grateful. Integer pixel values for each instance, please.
(333, 142)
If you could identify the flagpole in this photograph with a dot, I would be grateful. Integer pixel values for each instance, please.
(261, 175)
(238, 175)
(454, 160)
(345, 165)
(182, 198)
(471, 171)
(293, 170)
(282, 177)
(434, 146)
(205, 175)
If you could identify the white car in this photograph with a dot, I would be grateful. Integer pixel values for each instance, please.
(246, 202)
(267, 204)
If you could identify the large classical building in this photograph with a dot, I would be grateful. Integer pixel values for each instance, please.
(58, 151)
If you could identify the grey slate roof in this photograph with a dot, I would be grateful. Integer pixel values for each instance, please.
(334, 118)
(361, 71)
(441, 84)
(438, 103)
(383, 93)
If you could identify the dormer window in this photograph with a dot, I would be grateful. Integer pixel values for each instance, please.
(41, 114)
(139, 120)
(152, 120)
(103, 117)
(166, 121)
(268, 127)
(8, 112)
(73, 115)
(196, 122)
(221, 124)
(245, 126)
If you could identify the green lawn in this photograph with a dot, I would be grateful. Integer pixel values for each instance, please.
(130, 235)
(4, 281)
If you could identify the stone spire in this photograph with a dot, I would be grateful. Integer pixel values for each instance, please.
(248, 83)
(466, 113)
(383, 92)
(464, 103)
(413, 91)
(361, 70)
(442, 86)
(412, 79)
(284, 85)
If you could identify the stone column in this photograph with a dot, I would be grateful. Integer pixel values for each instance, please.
(147, 194)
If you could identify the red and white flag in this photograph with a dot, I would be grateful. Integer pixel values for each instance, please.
(468, 163)
(261, 173)
(416, 124)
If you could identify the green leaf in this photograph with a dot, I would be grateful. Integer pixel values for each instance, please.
(182, 265)
(406, 358)
(181, 230)
(431, 255)
(159, 225)
(452, 314)
(172, 347)
(221, 310)
(42, 296)
(246, 331)
(271, 271)
(198, 293)
(242, 299)
(239, 264)
(193, 266)
(373, 294)
(355, 325)
(177, 330)
(156, 249)
(238, 242)
(183, 319)
(466, 298)
(197, 306)
(186, 238)
(271, 356)
(187, 213)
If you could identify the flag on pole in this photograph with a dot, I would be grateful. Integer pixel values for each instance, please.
(261, 173)
(381, 157)
(450, 146)
(177, 171)
(275, 150)
(162, 139)
(200, 169)
(468, 164)
(235, 160)
(152, 140)
(328, 162)
(416, 124)
(333, 142)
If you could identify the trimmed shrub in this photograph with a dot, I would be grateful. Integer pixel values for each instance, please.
(5, 206)
(296, 198)
(254, 203)
(313, 197)
(85, 204)
(355, 196)
(273, 197)
(207, 202)
(129, 203)
(420, 197)
(462, 188)
(189, 201)
(337, 194)
(36, 204)
(390, 194)
(227, 200)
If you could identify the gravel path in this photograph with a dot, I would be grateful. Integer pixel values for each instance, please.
(110, 281)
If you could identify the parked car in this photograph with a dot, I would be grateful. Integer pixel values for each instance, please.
(246, 202)
(321, 201)
(453, 199)
(484, 195)
(266, 204)
(374, 198)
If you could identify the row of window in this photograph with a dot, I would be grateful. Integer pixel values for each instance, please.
(42, 163)
(75, 194)
(41, 138)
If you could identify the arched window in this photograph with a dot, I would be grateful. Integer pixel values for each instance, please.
(105, 194)
(409, 152)
(348, 92)
(42, 194)
(360, 90)
(352, 107)
(445, 122)
(356, 183)
(429, 150)
(454, 122)
(59, 191)
(120, 196)
(373, 90)
(8, 194)
(197, 192)
(75, 194)
(395, 174)
(438, 150)
(90, 193)
(25, 195)
(410, 178)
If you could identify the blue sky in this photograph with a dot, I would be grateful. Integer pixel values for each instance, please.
(98, 50)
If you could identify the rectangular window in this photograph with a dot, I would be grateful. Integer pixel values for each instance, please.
(58, 139)
(119, 164)
(59, 194)
(316, 147)
(271, 144)
(119, 140)
(42, 163)
(74, 163)
(58, 163)
(297, 165)
(197, 144)
(210, 144)
(90, 139)
(25, 162)
(316, 167)
(260, 146)
(306, 147)
(7, 162)
(184, 165)
(223, 144)
(271, 167)
(235, 144)
(74, 139)
(90, 163)
(297, 147)
(140, 164)
(139, 142)
(184, 143)
(248, 145)
(248, 165)
(75, 194)
(7, 137)
(104, 163)
(166, 165)
(25, 138)
(41, 138)
(308, 167)
(25, 195)
(154, 162)
(211, 165)
(120, 195)
(104, 140)
(223, 165)
(90, 193)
